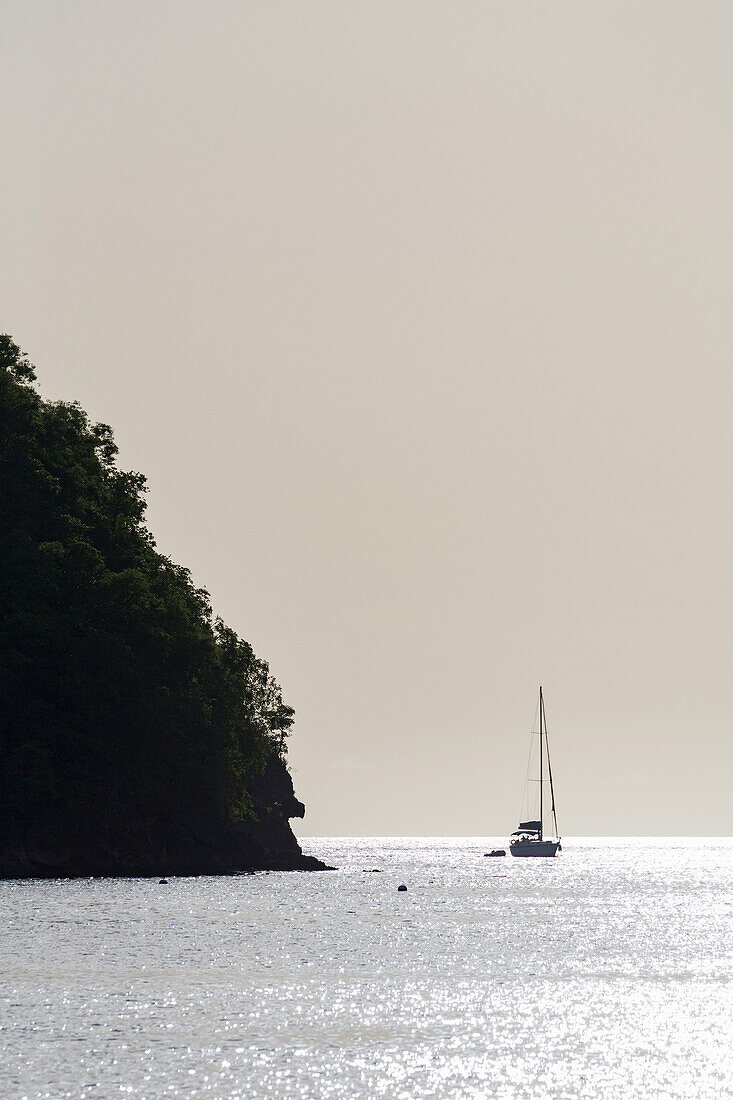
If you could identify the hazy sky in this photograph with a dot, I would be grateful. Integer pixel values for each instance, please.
(418, 318)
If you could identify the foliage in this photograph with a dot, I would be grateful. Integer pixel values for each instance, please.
(121, 696)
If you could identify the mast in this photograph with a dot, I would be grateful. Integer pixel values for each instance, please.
(540, 761)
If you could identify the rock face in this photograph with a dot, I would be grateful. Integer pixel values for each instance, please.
(153, 847)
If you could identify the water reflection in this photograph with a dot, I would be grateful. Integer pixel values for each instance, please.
(605, 973)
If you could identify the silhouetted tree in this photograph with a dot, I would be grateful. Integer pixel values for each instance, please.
(120, 696)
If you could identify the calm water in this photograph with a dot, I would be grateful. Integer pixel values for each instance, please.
(607, 972)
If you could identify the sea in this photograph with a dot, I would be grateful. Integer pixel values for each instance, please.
(606, 974)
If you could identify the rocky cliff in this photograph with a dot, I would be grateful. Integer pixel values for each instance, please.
(155, 846)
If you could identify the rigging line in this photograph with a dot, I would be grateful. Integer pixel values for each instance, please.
(549, 770)
(525, 799)
(542, 710)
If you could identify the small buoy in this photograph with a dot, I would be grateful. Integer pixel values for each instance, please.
(163, 882)
(401, 888)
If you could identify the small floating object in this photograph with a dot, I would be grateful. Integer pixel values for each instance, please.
(496, 852)
(163, 882)
(401, 888)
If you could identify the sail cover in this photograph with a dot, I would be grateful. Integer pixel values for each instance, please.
(530, 826)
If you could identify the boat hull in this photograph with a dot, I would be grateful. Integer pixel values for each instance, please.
(535, 848)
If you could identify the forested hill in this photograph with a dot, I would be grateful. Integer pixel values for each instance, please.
(138, 734)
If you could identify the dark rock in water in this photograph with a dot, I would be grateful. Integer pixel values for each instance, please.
(163, 882)
(401, 888)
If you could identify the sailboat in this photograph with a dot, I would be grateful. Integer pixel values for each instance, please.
(530, 838)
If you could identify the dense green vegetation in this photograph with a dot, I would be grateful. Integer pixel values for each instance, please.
(121, 698)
